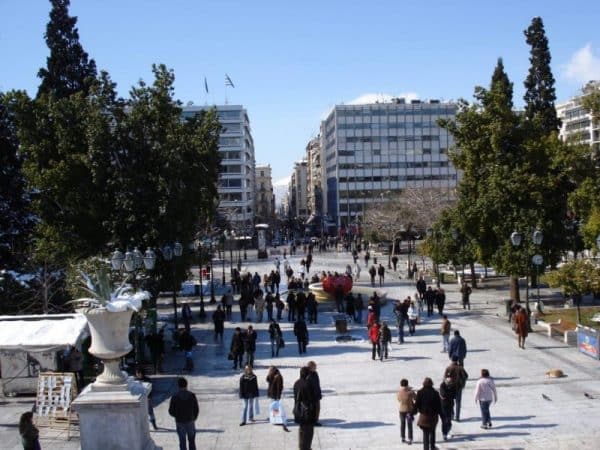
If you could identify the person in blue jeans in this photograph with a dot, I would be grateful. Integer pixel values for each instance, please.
(485, 394)
(184, 408)
(248, 392)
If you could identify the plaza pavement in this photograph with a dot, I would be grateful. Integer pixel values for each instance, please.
(359, 410)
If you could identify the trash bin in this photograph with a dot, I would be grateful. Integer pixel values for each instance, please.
(341, 323)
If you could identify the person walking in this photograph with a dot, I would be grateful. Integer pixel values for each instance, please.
(401, 313)
(521, 326)
(187, 342)
(429, 406)
(457, 348)
(356, 271)
(30, 435)
(279, 306)
(457, 377)
(465, 290)
(429, 298)
(249, 339)
(413, 318)
(311, 307)
(274, 391)
(227, 300)
(445, 332)
(291, 305)
(301, 333)
(421, 287)
(385, 339)
(186, 316)
(374, 336)
(248, 392)
(372, 273)
(184, 408)
(394, 262)
(381, 274)
(406, 404)
(304, 410)
(219, 321)
(447, 395)
(315, 384)
(359, 306)
(276, 338)
(485, 393)
(440, 300)
(236, 350)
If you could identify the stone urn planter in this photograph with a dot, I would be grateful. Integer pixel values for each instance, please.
(110, 341)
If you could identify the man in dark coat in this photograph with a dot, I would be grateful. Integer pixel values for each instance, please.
(447, 395)
(429, 297)
(184, 408)
(311, 307)
(219, 321)
(457, 377)
(291, 304)
(372, 273)
(315, 384)
(300, 304)
(457, 348)
(465, 290)
(381, 274)
(187, 343)
(249, 338)
(301, 333)
(237, 348)
(304, 400)
(429, 406)
(421, 287)
(440, 300)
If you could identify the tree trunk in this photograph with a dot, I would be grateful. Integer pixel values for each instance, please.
(473, 277)
(514, 289)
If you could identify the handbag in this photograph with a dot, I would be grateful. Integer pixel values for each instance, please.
(281, 342)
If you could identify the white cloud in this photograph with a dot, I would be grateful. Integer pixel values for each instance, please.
(584, 66)
(369, 98)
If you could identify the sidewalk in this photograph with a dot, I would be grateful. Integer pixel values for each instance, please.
(358, 410)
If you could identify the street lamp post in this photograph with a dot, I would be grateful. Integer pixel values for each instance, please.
(133, 262)
(516, 239)
(171, 254)
(198, 248)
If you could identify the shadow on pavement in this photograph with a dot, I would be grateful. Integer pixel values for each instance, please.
(526, 425)
(336, 423)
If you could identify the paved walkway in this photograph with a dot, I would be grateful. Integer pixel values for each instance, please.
(359, 409)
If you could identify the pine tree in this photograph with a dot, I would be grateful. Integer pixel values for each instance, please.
(68, 69)
(15, 221)
(540, 94)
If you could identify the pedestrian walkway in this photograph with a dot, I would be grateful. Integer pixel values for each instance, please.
(358, 410)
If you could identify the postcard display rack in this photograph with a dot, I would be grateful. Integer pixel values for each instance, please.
(53, 403)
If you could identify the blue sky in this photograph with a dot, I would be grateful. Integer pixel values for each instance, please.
(292, 61)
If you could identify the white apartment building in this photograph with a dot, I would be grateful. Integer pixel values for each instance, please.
(577, 123)
(237, 175)
(368, 151)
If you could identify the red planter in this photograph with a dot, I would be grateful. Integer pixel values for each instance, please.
(330, 284)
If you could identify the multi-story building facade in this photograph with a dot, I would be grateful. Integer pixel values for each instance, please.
(265, 200)
(297, 191)
(368, 151)
(237, 175)
(578, 124)
(314, 190)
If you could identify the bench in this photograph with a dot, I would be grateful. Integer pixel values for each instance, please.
(566, 328)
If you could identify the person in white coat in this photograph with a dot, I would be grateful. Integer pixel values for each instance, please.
(485, 393)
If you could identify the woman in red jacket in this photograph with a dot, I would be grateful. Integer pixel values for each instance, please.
(374, 336)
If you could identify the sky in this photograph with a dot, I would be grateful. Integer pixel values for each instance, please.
(292, 61)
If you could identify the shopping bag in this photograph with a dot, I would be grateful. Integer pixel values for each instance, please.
(277, 413)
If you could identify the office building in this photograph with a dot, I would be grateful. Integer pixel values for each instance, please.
(237, 175)
(265, 200)
(371, 150)
(577, 123)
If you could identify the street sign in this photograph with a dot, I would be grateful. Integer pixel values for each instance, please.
(538, 260)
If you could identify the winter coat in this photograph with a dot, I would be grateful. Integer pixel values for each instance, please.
(406, 399)
(237, 344)
(374, 333)
(248, 386)
(275, 388)
(300, 330)
(429, 406)
(485, 390)
(184, 406)
(304, 394)
(385, 335)
(445, 329)
(458, 348)
(457, 374)
(249, 339)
